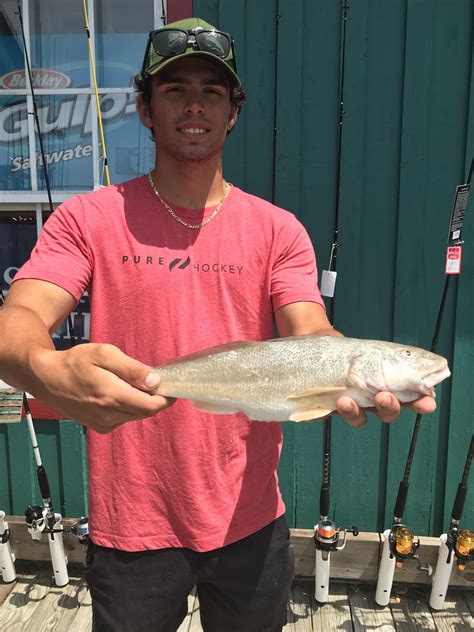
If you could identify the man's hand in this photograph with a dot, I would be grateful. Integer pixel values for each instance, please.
(387, 407)
(96, 385)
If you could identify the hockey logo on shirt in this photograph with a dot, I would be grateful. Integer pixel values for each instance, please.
(182, 264)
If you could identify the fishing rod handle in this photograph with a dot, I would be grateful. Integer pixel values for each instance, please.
(322, 572)
(6, 556)
(324, 501)
(386, 572)
(459, 501)
(401, 500)
(441, 576)
(43, 483)
(56, 549)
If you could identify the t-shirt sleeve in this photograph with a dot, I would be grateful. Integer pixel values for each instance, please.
(294, 271)
(61, 254)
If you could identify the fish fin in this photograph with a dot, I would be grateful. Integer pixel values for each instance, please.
(308, 415)
(216, 409)
(315, 403)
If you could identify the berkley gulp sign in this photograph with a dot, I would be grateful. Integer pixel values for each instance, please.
(41, 78)
(72, 113)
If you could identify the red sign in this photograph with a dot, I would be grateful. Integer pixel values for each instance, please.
(41, 78)
(453, 260)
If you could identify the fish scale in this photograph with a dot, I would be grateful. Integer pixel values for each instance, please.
(299, 378)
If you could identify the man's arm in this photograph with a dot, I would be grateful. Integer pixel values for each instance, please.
(297, 319)
(94, 384)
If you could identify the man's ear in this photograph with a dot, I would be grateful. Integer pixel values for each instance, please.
(232, 118)
(143, 110)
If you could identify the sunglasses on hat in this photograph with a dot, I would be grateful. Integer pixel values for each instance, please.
(169, 42)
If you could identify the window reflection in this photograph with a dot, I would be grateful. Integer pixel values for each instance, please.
(121, 39)
(59, 41)
(14, 176)
(11, 45)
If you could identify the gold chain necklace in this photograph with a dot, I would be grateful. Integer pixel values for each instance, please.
(180, 219)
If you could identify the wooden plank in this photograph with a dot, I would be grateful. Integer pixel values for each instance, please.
(82, 621)
(299, 608)
(410, 611)
(184, 627)
(59, 607)
(5, 590)
(336, 613)
(18, 611)
(455, 614)
(195, 624)
(366, 614)
(358, 561)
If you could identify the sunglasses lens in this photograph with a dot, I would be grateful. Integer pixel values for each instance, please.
(169, 42)
(214, 42)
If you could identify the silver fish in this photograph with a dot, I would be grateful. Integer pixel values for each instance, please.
(301, 377)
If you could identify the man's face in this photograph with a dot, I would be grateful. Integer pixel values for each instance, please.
(190, 110)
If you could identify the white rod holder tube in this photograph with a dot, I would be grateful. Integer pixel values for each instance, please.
(6, 556)
(58, 558)
(386, 572)
(322, 572)
(442, 575)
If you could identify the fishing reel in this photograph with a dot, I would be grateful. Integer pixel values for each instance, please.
(327, 537)
(80, 530)
(461, 544)
(41, 520)
(403, 547)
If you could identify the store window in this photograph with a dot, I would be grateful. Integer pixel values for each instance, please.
(14, 150)
(17, 238)
(65, 123)
(121, 39)
(65, 96)
(59, 42)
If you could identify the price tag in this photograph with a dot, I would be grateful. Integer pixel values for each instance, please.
(453, 260)
(328, 283)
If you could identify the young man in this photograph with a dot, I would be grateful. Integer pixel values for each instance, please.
(175, 261)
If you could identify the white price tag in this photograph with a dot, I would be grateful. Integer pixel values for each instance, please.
(328, 283)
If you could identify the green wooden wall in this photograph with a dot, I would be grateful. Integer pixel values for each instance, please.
(407, 141)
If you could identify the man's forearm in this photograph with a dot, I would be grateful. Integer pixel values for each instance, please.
(22, 334)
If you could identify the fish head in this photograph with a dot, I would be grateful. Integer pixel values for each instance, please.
(407, 368)
(402, 369)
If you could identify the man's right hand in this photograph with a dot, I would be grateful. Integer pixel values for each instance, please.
(96, 385)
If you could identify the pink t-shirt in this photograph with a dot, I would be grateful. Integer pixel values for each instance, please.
(158, 290)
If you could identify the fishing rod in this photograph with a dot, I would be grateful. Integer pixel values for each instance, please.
(38, 130)
(7, 558)
(96, 92)
(163, 13)
(399, 540)
(327, 534)
(455, 544)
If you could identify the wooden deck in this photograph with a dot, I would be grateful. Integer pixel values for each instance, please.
(34, 604)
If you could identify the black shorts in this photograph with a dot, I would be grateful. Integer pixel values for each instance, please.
(242, 587)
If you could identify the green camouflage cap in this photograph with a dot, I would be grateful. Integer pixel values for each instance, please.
(154, 63)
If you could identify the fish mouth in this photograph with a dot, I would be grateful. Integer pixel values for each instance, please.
(438, 375)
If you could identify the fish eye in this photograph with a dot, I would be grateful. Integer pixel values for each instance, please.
(407, 353)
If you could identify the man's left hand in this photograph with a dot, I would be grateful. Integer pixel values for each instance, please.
(387, 407)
